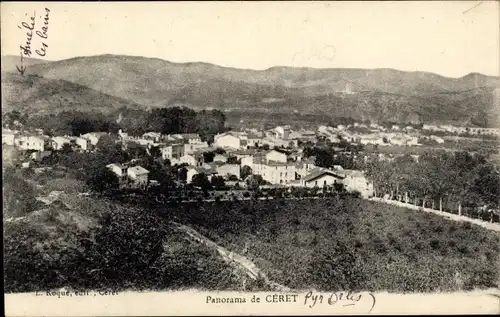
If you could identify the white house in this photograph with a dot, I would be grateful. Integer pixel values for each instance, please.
(220, 158)
(32, 142)
(356, 181)
(438, 140)
(59, 141)
(138, 174)
(247, 160)
(229, 169)
(190, 138)
(93, 137)
(172, 151)
(275, 156)
(120, 171)
(190, 148)
(152, 136)
(188, 159)
(83, 143)
(191, 171)
(8, 137)
(322, 177)
(282, 132)
(274, 172)
(227, 140)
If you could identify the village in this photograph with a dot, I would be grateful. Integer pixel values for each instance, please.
(275, 157)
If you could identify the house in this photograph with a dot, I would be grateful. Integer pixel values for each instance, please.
(282, 132)
(254, 140)
(83, 143)
(275, 142)
(172, 151)
(190, 148)
(58, 142)
(372, 139)
(229, 169)
(189, 138)
(120, 171)
(31, 142)
(8, 137)
(39, 155)
(356, 181)
(322, 177)
(247, 160)
(152, 136)
(138, 174)
(437, 139)
(188, 159)
(304, 167)
(227, 140)
(221, 158)
(93, 137)
(273, 172)
(191, 171)
(275, 156)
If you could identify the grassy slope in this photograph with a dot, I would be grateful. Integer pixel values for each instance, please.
(387, 248)
(82, 242)
(34, 94)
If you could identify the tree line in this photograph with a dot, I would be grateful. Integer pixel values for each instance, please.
(168, 120)
(455, 177)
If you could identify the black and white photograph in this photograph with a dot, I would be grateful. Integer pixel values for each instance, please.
(300, 155)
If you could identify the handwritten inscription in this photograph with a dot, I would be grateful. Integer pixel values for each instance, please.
(344, 299)
(30, 28)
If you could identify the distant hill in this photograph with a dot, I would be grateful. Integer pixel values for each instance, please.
(37, 95)
(9, 62)
(376, 94)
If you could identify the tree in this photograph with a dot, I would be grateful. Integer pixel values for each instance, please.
(182, 174)
(18, 195)
(155, 152)
(102, 179)
(208, 157)
(245, 171)
(233, 178)
(66, 148)
(265, 147)
(218, 182)
(201, 180)
(324, 158)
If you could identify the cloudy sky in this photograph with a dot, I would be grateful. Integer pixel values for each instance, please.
(449, 38)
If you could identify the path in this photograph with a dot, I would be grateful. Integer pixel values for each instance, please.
(484, 224)
(240, 261)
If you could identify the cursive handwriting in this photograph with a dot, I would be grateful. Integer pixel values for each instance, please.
(346, 298)
(26, 48)
(43, 34)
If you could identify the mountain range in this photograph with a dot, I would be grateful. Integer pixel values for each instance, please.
(106, 82)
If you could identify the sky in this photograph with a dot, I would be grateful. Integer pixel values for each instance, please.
(449, 38)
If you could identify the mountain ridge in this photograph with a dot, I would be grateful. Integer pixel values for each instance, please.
(379, 94)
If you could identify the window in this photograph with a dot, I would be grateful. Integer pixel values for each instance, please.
(324, 183)
(315, 182)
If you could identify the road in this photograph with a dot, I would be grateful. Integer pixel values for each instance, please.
(484, 224)
(243, 263)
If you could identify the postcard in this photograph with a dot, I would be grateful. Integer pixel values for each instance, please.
(251, 158)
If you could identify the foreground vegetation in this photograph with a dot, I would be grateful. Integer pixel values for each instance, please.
(348, 243)
(339, 242)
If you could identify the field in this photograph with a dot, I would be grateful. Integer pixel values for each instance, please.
(347, 243)
(89, 242)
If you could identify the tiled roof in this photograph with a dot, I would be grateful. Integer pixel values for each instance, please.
(139, 170)
(318, 172)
